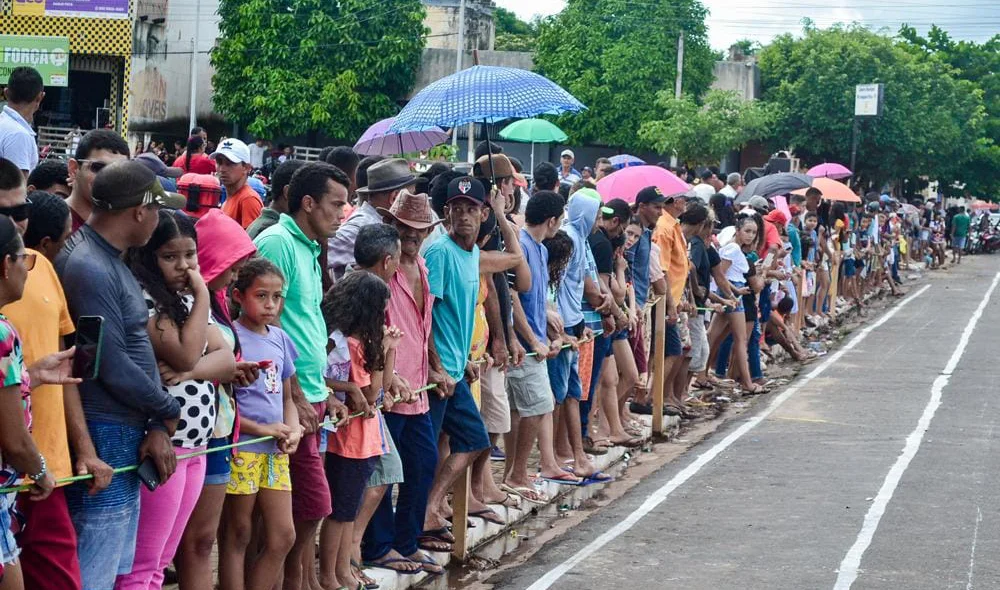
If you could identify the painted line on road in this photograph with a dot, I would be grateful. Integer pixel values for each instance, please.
(847, 573)
(657, 497)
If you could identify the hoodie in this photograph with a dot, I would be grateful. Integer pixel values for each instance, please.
(222, 243)
(581, 215)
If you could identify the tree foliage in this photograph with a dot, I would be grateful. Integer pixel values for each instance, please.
(702, 134)
(615, 55)
(978, 64)
(931, 123)
(289, 67)
(513, 34)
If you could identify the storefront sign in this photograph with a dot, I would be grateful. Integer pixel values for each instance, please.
(48, 55)
(73, 8)
(868, 100)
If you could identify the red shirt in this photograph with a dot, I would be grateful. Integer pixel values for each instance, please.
(200, 164)
(771, 238)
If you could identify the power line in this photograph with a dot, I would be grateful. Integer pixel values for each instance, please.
(319, 46)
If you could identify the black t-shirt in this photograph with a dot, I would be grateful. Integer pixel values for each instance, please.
(702, 266)
(501, 283)
(750, 299)
(604, 254)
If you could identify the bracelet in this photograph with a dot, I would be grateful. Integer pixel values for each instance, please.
(43, 472)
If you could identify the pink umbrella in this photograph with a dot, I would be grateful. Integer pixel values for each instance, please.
(830, 170)
(379, 141)
(627, 182)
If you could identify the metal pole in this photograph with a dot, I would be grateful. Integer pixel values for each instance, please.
(855, 132)
(193, 112)
(458, 56)
(678, 81)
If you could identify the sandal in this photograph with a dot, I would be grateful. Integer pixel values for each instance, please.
(386, 564)
(510, 501)
(590, 447)
(631, 443)
(442, 536)
(489, 516)
(702, 385)
(369, 583)
(527, 494)
(427, 563)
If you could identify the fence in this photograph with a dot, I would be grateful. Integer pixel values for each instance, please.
(53, 142)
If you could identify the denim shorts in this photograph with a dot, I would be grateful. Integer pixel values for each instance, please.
(106, 523)
(459, 418)
(8, 546)
(672, 341)
(218, 464)
(564, 375)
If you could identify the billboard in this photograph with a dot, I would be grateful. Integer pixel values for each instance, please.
(868, 100)
(72, 8)
(48, 55)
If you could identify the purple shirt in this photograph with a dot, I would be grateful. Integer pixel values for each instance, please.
(263, 401)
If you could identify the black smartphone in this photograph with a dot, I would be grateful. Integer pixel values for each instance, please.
(148, 474)
(87, 358)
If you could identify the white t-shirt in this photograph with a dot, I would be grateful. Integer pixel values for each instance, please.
(257, 153)
(704, 191)
(739, 267)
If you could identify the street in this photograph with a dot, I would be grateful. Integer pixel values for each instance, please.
(874, 469)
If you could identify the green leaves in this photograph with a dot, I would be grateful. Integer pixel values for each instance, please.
(931, 120)
(702, 134)
(615, 55)
(290, 67)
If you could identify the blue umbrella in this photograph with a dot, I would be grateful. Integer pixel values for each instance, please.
(484, 94)
(624, 161)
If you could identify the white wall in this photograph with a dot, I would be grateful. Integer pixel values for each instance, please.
(161, 68)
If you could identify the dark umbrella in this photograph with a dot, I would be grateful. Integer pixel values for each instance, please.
(774, 184)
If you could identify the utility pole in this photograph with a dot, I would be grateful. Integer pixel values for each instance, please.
(458, 58)
(193, 112)
(678, 81)
(855, 132)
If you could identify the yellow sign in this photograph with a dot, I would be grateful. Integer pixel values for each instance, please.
(29, 7)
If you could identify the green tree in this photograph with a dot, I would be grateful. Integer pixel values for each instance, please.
(979, 64)
(749, 47)
(702, 134)
(615, 55)
(289, 67)
(513, 34)
(931, 120)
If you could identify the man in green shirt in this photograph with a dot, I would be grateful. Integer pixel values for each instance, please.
(316, 198)
(959, 234)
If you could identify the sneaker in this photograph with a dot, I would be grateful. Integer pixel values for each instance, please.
(496, 454)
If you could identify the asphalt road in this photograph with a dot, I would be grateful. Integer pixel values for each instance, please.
(878, 468)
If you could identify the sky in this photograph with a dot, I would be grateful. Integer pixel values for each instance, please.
(762, 20)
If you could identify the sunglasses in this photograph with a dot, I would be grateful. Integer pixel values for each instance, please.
(17, 212)
(95, 166)
(29, 259)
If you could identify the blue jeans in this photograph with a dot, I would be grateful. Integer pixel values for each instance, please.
(399, 529)
(106, 523)
(753, 354)
(602, 346)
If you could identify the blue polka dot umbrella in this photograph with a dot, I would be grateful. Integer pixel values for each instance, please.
(484, 94)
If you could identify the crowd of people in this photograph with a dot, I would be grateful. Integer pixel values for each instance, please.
(279, 369)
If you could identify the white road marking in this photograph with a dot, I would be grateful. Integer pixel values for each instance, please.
(972, 554)
(847, 573)
(657, 497)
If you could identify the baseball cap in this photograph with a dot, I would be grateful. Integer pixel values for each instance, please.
(758, 202)
(128, 184)
(650, 194)
(617, 208)
(466, 187)
(568, 153)
(234, 150)
(156, 165)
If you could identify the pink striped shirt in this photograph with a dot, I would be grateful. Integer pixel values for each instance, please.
(411, 354)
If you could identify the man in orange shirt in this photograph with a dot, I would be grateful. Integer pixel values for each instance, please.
(674, 261)
(242, 202)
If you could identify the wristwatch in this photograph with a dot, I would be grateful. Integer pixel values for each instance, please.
(43, 472)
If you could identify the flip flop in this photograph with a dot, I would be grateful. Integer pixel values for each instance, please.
(573, 481)
(485, 515)
(387, 565)
(369, 583)
(510, 501)
(702, 385)
(427, 562)
(436, 536)
(598, 477)
(631, 443)
(527, 494)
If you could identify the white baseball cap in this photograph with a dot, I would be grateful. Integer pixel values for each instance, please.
(234, 150)
(567, 153)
